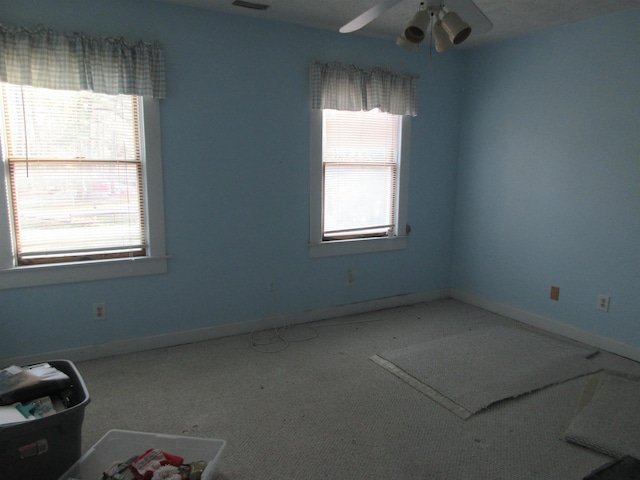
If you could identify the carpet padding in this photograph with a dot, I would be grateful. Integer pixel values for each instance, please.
(608, 420)
(468, 372)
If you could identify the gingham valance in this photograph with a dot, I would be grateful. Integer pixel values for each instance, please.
(346, 87)
(41, 57)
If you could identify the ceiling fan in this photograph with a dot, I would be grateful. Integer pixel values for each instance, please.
(445, 17)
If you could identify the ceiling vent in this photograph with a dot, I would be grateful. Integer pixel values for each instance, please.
(251, 5)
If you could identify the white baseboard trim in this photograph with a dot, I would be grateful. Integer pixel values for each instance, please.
(549, 325)
(90, 352)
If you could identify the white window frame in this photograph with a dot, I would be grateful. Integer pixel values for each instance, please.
(155, 262)
(320, 248)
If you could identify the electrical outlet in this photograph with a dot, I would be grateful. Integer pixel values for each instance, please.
(603, 302)
(555, 293)
(350, 277)
(100, 311)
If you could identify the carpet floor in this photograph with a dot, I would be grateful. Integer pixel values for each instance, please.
(321, 409)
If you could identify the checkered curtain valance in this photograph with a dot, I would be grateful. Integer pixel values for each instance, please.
(347, 87)
(41, 57)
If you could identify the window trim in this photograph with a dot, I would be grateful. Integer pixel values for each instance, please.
(320, 248)
(154, 263)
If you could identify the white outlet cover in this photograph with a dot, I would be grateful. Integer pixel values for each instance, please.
(603, 303)
(99, 311)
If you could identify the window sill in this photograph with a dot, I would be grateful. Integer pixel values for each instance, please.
(354, 247)
(39, 275)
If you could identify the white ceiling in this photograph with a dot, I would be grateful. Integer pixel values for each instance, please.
(510, 18)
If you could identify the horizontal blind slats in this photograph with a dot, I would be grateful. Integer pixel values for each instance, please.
(360, 136)
(360, 155)
(76, 177)
(70, 125)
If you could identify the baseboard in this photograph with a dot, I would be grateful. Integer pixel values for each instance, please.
(549, 325)
(90, 352)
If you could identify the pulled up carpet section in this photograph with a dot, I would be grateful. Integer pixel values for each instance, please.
(607, 420)
(468, 372)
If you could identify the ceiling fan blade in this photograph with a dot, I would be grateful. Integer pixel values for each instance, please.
(471, 14)
(368, 16)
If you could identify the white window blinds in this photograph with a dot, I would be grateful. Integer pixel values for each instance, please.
(75, 174)
(360, 155)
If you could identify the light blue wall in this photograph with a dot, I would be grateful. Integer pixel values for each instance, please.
(549, 175)
(547, 186)
(235, 131)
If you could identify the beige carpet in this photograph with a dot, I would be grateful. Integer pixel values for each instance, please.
(321, 409)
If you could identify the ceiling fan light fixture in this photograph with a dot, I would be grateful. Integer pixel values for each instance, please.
(457, 29)
(416, 29)
(441, 38)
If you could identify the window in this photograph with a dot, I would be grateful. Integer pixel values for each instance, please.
(359, 181)
(83, 184)
(75, 175)
(360, 130)
(360, 164)
(81, 174)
